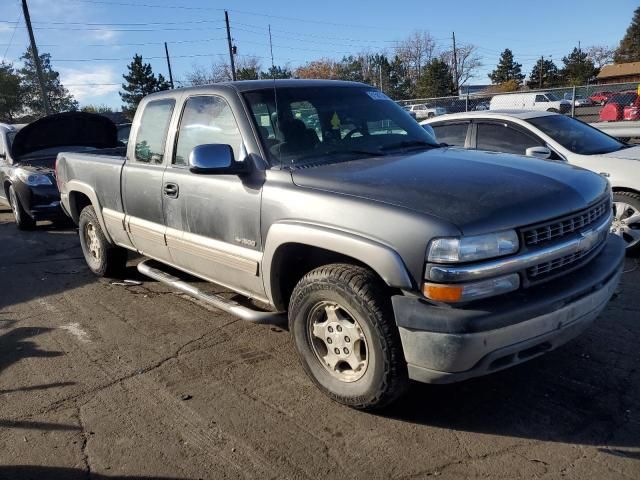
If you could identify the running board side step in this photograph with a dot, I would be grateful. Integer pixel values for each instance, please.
(221, 303)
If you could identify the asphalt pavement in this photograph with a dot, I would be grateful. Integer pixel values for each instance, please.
(102, 380)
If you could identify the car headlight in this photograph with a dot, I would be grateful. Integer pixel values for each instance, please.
(468, 249)
(33, 179)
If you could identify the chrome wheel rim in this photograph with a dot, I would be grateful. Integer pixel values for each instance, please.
(626, 223)
(14, 205)
(91, 240)
(338, 341)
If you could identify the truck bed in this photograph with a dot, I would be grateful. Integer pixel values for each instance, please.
(101, 169)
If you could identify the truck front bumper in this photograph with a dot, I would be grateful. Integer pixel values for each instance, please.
(444, 344)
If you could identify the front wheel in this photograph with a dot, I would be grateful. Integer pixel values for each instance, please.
(23, 220)
(103, 258)
(626, 219)
(342, 324)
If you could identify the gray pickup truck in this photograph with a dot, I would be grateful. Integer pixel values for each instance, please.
(395, 258)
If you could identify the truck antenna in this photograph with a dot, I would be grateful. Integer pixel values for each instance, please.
(273, 76)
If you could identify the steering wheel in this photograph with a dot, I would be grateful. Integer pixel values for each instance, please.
(351, 132)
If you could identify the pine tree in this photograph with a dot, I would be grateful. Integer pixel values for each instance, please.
(399, 81)
(436, 80)
(578, 69)
(276, 72)
(60, 100)
(629, 49)
(140, 82)
(10, 93)
(549, 72)
(507, 69)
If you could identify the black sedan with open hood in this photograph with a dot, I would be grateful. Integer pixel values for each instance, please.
(28, 156)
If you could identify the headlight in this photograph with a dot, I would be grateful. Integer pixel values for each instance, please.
(33, 179)
(468, 249)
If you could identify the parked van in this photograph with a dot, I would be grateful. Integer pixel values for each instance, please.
(544, 101)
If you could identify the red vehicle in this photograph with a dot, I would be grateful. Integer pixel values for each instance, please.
(621, 106)
(601, 97)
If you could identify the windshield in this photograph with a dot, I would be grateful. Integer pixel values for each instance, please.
(576, 136)
(552, 97)
(332, 124)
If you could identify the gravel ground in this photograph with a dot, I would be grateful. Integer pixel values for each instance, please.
(99, 380)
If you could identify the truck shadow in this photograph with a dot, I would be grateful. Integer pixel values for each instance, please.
(29, 472)
(564, 396)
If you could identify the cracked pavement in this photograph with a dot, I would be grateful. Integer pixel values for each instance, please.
(108, 381)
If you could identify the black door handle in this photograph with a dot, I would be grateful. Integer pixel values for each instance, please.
(171, 190)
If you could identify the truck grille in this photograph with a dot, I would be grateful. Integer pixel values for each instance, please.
(556, 229)
(549, 268)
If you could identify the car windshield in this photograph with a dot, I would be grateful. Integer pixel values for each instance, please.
(623, 99)
(576, 136)
(332, 124)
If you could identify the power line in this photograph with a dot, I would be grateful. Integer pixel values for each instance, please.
(4, 57)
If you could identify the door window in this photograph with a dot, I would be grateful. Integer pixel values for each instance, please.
(453, 134)
(541, 98)
(496, 137)
(206, 120)
(152, 133)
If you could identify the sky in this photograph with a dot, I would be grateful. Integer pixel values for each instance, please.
(92, 41)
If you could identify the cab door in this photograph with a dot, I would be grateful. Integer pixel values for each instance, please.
(213, 220)
(142, 186)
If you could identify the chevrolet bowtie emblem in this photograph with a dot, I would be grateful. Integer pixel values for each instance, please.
(588, 240)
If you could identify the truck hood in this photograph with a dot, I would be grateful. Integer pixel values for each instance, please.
(478, 192)
(632, 153)
(65, 130)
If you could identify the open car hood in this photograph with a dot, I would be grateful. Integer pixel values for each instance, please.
(65, 130)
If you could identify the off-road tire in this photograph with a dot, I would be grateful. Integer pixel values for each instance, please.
(632, 199)
(360, 291)
(23, 220)
(111, 260)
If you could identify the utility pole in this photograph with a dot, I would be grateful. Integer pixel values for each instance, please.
(541, 69)
(455, 65)
(166, 51)
(36, 58)
(233, 64)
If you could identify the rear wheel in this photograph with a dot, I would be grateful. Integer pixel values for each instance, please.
(343, 327)
(23, 220)
(626, 219)
(103, 258)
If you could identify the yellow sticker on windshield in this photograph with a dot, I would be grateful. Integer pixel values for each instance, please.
(335, 121)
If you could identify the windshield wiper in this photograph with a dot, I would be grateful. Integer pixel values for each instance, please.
(409, 144)
(333, 153)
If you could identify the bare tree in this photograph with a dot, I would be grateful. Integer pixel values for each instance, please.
(220, 71)
(468, 62)
(415, 52)
(600, 55)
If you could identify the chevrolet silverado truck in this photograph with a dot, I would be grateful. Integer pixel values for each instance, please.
(393, 257)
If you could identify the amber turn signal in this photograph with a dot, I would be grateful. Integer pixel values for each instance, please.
(443, 293)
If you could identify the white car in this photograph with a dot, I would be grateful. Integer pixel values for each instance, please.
(557, 137)
(542, 101)
(423, 111)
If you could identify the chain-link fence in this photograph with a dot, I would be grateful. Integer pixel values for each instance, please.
(590, 103)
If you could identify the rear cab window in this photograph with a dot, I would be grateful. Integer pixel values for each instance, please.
(152, 132)
(454, 134)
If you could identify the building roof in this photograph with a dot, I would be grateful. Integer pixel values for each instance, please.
(620, 70)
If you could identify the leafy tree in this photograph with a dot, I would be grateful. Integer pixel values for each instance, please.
(321, 68)
(629, 48)
(60, 100)
(140, 82)
(10, 93)
(436, 80)
(351, 68)
(399, 82)
(549, 73)
(507, 69)
(277, 72)
(247, 73)
(578, 69)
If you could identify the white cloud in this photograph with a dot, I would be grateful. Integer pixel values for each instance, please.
(4, 27)
(104, 35)
(89, 83)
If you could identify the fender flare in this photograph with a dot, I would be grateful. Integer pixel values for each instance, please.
(77, 186)
(381, 258)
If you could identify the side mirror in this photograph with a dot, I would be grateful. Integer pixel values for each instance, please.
(214, 158)
(538, 152)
